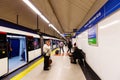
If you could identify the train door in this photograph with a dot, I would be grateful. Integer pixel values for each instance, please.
(3, 54)
(30, 47)
(14, 46)
(17, 51)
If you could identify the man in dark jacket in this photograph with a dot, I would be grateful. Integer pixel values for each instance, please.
(69, 46)
(77, 54)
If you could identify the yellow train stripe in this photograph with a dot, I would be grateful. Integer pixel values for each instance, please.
(26, 71)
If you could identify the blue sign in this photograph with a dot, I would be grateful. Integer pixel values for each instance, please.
(107, 9)
(92, 32)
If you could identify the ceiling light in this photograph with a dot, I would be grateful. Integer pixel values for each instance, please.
(40, 14)
(50, 25)
(35, 10)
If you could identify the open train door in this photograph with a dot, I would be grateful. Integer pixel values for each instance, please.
(3, 54)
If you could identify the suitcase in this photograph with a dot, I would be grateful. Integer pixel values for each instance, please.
(71, 59)
(50, 61)
(57, 52)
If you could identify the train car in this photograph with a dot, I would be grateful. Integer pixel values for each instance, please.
(54, 41)
(18, 46)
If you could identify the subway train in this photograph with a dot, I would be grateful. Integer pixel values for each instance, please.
(54, 41)
(19, 46)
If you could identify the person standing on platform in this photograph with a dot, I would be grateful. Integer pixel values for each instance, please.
(75, 53)
(61, 45)
(46, 51)
(69, 46)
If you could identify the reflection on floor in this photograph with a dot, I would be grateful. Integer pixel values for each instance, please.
(15, 63)
(61, 69)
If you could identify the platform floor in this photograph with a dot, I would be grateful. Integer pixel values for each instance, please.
(61, 69)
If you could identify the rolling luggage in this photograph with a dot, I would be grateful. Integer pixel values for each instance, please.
(57, 52)
(50, 61)
(71, 60)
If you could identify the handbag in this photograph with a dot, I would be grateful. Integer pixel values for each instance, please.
(44, 54)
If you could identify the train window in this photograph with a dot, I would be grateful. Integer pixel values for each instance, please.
(53, 42)
(36, 43)
(30, 43)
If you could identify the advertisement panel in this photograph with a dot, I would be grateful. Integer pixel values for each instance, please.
(92, 35)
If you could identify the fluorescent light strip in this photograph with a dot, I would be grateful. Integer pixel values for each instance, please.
(50, 25)
(11, 36)
(35, 10)
(40, 14)
(110, 24)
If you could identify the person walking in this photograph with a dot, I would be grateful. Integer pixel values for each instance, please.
(69, 46)
(75, 53)
(61, 45)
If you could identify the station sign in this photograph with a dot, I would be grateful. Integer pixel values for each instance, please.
(110, 7)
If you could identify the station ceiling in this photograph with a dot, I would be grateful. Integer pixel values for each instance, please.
(65, 15)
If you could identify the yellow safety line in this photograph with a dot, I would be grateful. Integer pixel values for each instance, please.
(26, 71)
